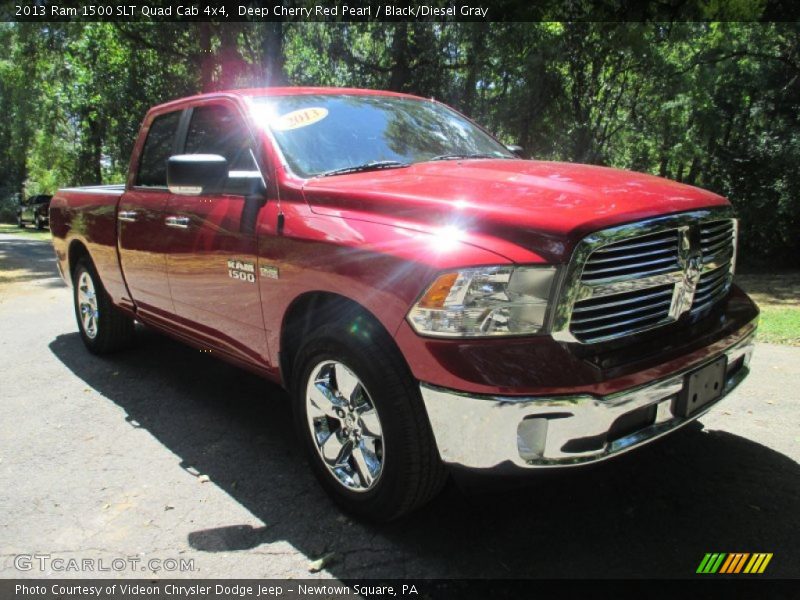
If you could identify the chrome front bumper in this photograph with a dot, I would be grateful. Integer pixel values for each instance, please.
(486, 432)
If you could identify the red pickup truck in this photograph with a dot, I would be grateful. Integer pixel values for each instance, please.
(428, 298)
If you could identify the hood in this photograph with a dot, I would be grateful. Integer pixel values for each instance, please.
(545, 207)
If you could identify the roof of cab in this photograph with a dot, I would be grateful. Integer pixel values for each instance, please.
(282, 91)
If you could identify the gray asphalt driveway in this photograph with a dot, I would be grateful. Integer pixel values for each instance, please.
(163, 452)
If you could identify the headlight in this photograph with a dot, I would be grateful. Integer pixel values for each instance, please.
(485, 301)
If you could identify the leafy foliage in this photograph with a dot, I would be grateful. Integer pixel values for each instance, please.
(710, 104)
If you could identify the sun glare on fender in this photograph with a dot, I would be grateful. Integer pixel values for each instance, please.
(447, 238)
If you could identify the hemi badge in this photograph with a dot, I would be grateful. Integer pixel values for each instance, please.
(269, 272)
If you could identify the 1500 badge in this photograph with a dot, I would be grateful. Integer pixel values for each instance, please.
(243, 271)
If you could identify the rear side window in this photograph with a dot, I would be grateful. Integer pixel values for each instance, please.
(157, 150)
(218, 130)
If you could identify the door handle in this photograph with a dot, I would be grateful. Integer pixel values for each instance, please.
(178, 222)
(127, 215)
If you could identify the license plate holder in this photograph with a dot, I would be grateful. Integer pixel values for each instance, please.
(702, 387)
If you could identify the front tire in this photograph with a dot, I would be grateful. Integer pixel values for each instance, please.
(360, 417)
(103, 327)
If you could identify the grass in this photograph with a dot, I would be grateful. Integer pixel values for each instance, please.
(778, 297)
(779, 326)
(29, 232)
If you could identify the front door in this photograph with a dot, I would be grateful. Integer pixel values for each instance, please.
(212, 259)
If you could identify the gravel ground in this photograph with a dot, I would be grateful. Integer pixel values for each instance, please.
(162, 452)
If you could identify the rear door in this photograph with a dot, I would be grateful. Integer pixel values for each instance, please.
(140, 218)
(213, 253)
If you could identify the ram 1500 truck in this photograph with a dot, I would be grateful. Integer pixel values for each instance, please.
(429, 299)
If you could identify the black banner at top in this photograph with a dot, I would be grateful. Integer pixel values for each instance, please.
(396, 10)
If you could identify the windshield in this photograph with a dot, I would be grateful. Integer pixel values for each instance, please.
(326, 133)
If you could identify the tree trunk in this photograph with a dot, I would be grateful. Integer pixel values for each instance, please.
(663, 164)
(272, 58)
(401, 70)
(96, 144)
(229, 58)
(206, 59)
(88, 167)
(694, 170)
(478, 33)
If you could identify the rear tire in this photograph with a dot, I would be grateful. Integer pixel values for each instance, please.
(393, 465)
(103, 327)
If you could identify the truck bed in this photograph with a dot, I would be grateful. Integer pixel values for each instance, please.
(88, 214)
(113, 188)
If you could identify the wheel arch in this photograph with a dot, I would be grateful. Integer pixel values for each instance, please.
(313, 309)
(76, 251)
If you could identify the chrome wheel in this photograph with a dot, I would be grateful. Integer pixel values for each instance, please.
(87, 305)
(344, 425)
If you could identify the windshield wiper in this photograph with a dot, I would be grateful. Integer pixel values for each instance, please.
(463, 156)
(370, 166)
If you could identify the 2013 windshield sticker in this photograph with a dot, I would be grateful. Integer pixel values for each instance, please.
(299, 118)
(243, 271)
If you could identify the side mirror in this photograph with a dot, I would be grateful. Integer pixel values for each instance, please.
(514, 149)
(245, 183)
(195, 174)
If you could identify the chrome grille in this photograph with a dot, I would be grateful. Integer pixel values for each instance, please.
(644, 275)
(718, 244)
(604, 315)
(638, 257)
(717, 240)
(622, 311)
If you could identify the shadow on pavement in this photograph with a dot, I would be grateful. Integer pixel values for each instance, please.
(27, 260)
(654, 512)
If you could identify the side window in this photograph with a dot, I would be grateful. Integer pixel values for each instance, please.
(218, 130)
(157, 150)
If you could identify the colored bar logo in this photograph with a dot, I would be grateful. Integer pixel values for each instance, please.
(734, 562)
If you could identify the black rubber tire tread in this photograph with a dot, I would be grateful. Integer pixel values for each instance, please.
(115, 328)
(407, 482)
